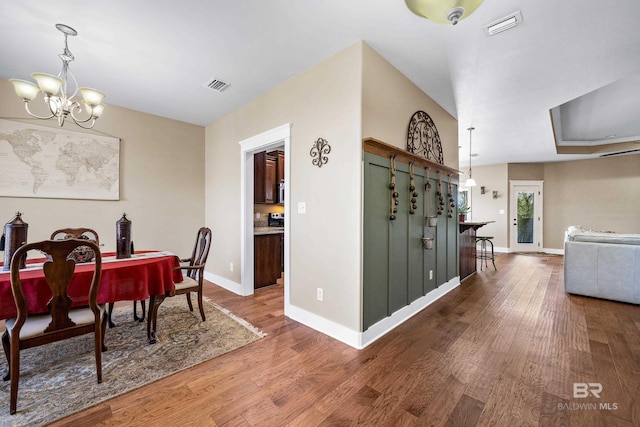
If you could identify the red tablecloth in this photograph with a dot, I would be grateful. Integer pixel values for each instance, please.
(136, 278)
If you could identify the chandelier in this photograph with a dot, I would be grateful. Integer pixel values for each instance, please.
(470, 182)
(443, 11)
(56, 91)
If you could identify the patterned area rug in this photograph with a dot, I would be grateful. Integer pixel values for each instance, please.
(59, 379)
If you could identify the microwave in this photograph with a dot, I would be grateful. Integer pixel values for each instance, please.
(281, 193)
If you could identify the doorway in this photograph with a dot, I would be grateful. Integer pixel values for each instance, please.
(525, 208)
(277, 137)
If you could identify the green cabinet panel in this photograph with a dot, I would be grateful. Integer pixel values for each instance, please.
(429, 256)
(398, 250)
(397, 269)
(415, 249)
(453, 234)
(375, 244)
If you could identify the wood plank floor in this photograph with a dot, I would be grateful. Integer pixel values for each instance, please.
(503, 349)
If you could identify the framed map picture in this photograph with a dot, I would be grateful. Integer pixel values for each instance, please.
(47, 162)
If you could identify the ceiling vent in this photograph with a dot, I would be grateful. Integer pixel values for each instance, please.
(503, 24)
(217, 85)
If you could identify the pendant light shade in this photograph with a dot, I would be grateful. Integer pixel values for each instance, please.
(470, 182)
(443, 11)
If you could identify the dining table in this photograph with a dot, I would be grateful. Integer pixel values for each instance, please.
(146, 274)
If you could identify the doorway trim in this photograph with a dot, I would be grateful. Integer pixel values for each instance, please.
(276, 137)
(538, 213)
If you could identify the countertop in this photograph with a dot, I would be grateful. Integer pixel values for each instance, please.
(261, 231)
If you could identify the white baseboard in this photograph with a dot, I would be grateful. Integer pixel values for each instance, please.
(360, 340)
(229, 285)
(553, 251)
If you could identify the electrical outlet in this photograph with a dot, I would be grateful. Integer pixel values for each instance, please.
(230, 266)
(257, 215)
(430, 274)
(319, 294)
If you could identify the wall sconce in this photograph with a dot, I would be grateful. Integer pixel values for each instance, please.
(495, 194)
(482, 190)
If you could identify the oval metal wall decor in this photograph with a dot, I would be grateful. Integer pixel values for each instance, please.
(423, 139)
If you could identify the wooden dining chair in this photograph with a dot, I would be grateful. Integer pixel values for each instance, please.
(81, 254)
(62, 321)
(193, 276)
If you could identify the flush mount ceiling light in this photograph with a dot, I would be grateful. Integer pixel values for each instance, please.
(503, 24)
(443, 11)
(470, 182)
(56, 91)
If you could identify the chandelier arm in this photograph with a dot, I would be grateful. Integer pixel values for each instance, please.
(82, 123)
(75, 106)
(26, 107)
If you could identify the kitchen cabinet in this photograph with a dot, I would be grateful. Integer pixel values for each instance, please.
(268, 261)
(264, 178)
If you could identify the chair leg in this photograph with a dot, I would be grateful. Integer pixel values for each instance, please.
(111, 324)
(152, 317)
(103, 325)
(98, 343)
(143, 304)
(7, 353)
(200, 306)
(188, 294)
(14, 370)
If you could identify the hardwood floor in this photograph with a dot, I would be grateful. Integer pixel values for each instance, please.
(504, 349)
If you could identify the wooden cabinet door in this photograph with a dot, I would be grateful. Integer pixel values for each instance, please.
(264, 178)
(267, 259)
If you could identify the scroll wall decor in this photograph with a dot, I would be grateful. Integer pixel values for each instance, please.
(320, 147)
(423, 139)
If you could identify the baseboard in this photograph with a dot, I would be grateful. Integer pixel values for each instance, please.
(360, 340)
(223, 282)
(385, 325)
(501, 250)
(553, 251)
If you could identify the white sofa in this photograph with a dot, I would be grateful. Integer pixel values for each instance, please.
(602, 264)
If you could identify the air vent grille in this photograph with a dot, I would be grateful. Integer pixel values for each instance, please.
(217, 85)
(620, 153)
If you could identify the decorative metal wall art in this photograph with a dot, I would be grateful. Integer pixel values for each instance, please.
(320, 147)
(423, 139)
(392, 187)
(412, 189)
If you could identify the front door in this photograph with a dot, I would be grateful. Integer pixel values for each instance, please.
(526, 216)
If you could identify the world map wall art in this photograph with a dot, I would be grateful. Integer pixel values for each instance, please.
(47, 162)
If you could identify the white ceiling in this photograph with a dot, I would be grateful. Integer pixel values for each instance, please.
(156, 57)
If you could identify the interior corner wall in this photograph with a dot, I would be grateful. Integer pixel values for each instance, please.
(322, 102)
(485, 208)
(598, 194)
(389, 100)
(161, 181)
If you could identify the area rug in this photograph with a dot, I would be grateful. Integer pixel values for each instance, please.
(59, 379)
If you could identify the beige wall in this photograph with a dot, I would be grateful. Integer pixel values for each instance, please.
(355, 93)
(161, 182)
(485, 208)
(389, 99)
(325, 242)
(597, 194)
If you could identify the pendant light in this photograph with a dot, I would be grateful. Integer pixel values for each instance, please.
(470, 182)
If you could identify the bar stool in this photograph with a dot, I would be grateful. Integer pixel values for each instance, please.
(484, 255)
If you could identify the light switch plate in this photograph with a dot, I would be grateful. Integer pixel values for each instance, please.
(302, 207)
